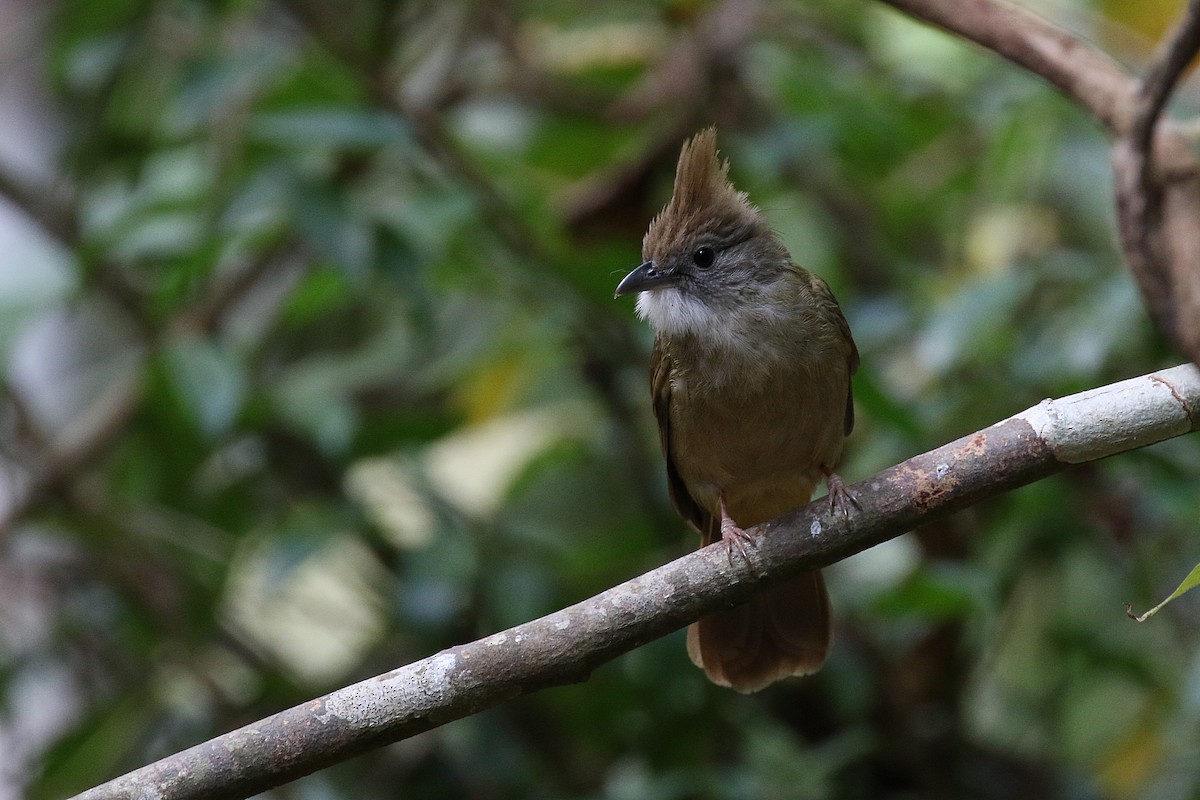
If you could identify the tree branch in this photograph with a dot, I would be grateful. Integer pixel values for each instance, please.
(1173, 57)
(1089, 77)
(1156, 182)
(567, 645)
(55, 468)
(50, 207)
(1156, 174)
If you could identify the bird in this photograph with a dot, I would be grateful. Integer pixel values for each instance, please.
(751, 388)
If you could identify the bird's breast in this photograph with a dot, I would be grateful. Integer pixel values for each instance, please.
(759, 434)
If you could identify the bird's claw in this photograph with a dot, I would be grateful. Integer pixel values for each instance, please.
(840, 498)
(733, 536)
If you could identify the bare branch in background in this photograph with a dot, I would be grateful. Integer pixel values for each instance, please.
(1086, 75)
(1157, 176)
(1157, 186)
(53, 469)
(564, 647)
(1173, 57)
(49, 207)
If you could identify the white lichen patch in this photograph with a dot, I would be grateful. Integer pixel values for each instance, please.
(1117, 417)
(419, 686)
(440, 666)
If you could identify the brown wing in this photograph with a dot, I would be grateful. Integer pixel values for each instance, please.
(661, 365)
(824, 296)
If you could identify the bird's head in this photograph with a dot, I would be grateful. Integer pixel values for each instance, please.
(709, 254)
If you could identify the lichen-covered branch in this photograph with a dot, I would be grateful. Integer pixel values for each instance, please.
(565, 646)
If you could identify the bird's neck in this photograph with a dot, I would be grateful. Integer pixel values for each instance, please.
(735, 346)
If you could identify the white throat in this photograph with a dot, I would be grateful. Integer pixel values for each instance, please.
(674, 313)
(735, 339)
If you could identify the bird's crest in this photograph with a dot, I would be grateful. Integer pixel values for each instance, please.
(703, 199)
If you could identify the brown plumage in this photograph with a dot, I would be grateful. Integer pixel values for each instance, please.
(751, 388)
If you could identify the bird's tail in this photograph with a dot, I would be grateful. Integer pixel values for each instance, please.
(781, 631)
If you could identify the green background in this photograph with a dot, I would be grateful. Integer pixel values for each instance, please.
(308, 317)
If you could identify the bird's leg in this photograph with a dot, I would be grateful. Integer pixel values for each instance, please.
(840, 498)
(733, 536)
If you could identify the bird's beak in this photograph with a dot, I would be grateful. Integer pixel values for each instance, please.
(645, 278)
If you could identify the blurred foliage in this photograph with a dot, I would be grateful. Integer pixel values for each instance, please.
(312, 369)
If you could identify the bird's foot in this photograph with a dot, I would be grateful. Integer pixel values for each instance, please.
(840, 498)
(734, 537)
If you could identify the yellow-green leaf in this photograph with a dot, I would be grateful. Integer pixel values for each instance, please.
(1190, 582)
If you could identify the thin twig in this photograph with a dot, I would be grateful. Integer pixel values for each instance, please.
(1156, 174)
(1086, 75)
(54, 469)
(46, 205)
(565, 646)
(1173, 56)
(1156, 181)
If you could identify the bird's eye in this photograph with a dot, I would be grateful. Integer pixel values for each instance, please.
(704, 257)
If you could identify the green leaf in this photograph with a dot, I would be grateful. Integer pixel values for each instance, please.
(209, 381)
(335, 127)
(1190, 582)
